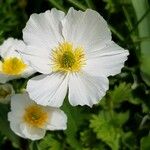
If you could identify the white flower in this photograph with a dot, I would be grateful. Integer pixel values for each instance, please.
(74, 53)
(6, 91)
(12, 66)
(29, 120)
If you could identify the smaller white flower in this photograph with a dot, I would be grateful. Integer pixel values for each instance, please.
(30, 120)
(12, 65)
(6, 91)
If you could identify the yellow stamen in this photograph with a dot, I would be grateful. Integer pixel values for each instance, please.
(12, 66)
(35, 116)
(66, 58)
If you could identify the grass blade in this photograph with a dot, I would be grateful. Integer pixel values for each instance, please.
(141, 8)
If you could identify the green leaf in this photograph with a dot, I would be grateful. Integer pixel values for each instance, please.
(33, 146)
(145, 108)
(129, 141)
(50, 143)
(5, 128)
(105, 131)
(141, 7)
(120, 118)
(89, 140)
(75, 119)
(121, 93)
(145, 143)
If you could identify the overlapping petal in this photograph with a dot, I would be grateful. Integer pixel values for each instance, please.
(48, 89)
(86, 90)
(87, 29)
(106, 61)
(42, 33)
(10, 47)
(44, 30)
(59, 123)
(32, 132)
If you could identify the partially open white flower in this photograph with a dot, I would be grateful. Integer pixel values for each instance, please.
(6, 91)
(29, 120)
(12, 65)
(72, 52)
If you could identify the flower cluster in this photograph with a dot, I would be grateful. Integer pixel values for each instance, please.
(74, 55)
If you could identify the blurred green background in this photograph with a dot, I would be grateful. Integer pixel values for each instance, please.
(121, 121)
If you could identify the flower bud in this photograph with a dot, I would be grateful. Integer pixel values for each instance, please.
(6, 91)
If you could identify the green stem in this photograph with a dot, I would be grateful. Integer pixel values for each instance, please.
(77, 4)
(127, 17)
(141, 39)
(140, 20)
(57, 5)
(115, 32)
(90, 4)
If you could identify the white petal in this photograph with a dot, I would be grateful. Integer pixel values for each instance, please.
(39, 63)
(10, 47)
(57, 120)
(87, 29)
(42, 33)
(86, 90)
(44, 30)
(15, 124)
(48, 90)
(5, 78)
(28, 72)
(18, 104)
(32, 132)
(107, 61)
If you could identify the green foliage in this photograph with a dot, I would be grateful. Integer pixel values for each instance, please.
(75, 119)
(107, 126)
(145, 143)
(105, 130)
(4, 126)
(129, 141)
(123, 92)
(50, 143)
(12, 18)
(142, 9)
(88, 139)
(120, 93)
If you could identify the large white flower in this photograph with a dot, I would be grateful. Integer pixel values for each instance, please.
(12, 66)
(72, 52)
(29, 120)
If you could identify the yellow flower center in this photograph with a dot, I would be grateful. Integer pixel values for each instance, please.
(35, 116)
(66, 58)
(12, 66)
